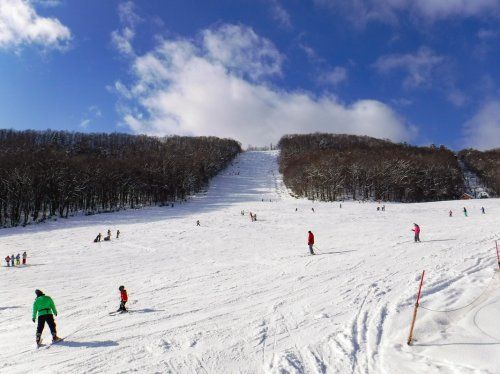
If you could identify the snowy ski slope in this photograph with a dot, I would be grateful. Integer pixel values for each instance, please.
(235, 296)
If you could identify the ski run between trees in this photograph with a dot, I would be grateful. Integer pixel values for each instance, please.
(238, 295)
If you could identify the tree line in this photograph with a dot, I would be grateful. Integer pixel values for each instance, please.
(330, 167)
(485, 164)
(56, 173)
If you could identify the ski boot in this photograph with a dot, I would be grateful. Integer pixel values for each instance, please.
(56, 339)
(38, 341)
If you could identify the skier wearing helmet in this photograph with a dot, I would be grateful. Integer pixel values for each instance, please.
(123, 299)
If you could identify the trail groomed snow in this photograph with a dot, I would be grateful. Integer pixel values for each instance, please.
(240, 296)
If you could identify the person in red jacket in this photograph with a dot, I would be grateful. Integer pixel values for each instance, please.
(310, 242)
(416, 230)
(123, 299)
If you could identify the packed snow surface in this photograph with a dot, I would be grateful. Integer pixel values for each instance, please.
(235, 296)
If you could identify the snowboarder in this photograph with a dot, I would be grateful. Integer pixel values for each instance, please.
(12, 259)
(45, 308)
(117, 234)
(482, 210)
(123, 299)
(450, 214)
(310, 242)
(416, 230)
(198, 223)
(465, 211)
(98, 238)
(18, 259)
(25, 256)
(7, 260)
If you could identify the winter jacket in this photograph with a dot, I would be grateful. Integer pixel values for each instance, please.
(43, 305)
(124, 296)
(7, 259)
(416, 229)
(25, 255)
(310, 239)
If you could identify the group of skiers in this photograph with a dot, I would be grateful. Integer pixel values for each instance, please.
(107, 238)
(45, 308)
(466, 213)
(16, 260)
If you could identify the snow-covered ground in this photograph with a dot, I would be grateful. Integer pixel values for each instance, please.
(239, 296)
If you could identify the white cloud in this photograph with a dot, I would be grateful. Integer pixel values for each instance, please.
(334, 77)
(482, 131)
(419, 66)
(20, 24)
(361, 12)
(122, 39)
(241, 50)
(456, 97)
(183, 87)
(280, 14)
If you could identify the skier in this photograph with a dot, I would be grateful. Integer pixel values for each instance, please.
(417, 232)
(255, 217)
(117, 234)
(465, 211)
(340, 205)
(295, 209)
(383, 208)
(98, 238)
(450, 214)
(7, 260)
(123, 299)
(25, 256)
(198, 223)
(18, 259)
(109, 233)
(312, 209)
(45, 308)
(482, 210)
(12, 259)
(310, 242)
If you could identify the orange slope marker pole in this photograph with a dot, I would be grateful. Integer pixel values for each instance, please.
(410, 336)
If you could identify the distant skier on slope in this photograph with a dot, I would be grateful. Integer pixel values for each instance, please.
(117, 234)
(416, 230)
(12, 259)
(465, 211)
(450, 213)
(310, 241)
(45, 308)
(7, 260)
(25, 256)
(198, 223)
(98, 238)
(482, 210)
(123, 299)
(18, 259)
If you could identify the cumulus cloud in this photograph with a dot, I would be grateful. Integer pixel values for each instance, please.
(20, 24)
(482, 131)
(208, 87)
(387, 11)
(419, 66)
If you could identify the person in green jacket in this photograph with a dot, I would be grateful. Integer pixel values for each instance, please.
(45, 308)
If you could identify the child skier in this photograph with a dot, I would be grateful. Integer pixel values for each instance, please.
(123, 299)
(12, 259)
(18, 259)
(25, 256)
(417, 232)
(45, 308)
(7, 260)
(310, 242)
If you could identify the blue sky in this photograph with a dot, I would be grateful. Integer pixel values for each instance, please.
(417, 71)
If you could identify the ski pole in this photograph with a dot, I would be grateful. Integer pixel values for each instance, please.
(410, 336)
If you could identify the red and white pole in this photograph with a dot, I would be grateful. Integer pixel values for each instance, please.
(410, 336)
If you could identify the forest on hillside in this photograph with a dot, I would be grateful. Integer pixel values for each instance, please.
(485, 164)
(56, 173)
(330, 167)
